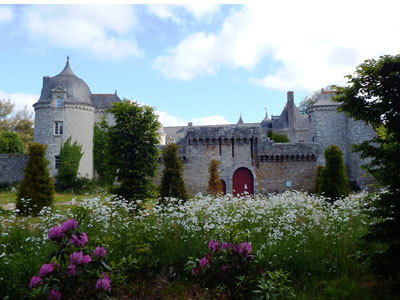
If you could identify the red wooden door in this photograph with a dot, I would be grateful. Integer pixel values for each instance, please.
(243, 181)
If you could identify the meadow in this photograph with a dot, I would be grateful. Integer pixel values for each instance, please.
(317, 244)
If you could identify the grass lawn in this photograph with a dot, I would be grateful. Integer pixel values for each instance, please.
(59, 199)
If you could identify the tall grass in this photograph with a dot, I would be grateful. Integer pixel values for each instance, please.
(300, 233)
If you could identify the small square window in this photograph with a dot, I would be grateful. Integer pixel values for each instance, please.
(57, 161)
(60, 102)
(58, 128)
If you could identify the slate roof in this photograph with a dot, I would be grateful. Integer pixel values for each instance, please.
(104, 101)
(77, 90)
(325, 99)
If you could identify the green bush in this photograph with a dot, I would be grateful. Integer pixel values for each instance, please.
(37, 188)
(70, 156)
(172, 183)
(10, 142)
(332, 181)
(277, 137)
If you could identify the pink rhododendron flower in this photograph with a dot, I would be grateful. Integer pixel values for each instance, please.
(104, 283)
(244, 248)
(204, 261)
(214, 245)
(55, 233)
(226, 245)
(86, 259)
(79, 241)
(99, 252)
(195, 271)
(36, 280)
(224, 268)
(76, 258)
(45, 269)
(72, 270)
(54, 295)
(70, 224)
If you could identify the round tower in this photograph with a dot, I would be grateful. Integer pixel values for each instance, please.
(64, 110)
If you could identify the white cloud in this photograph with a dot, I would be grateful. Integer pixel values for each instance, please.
(20, 100)
(101, 30)
(314, 43)
(176, 13)
(170, 120)
(6, 14)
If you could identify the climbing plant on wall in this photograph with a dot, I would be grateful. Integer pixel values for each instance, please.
(70, 156)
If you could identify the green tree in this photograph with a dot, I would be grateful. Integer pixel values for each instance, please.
(20, 121)
(172, 183)
(214, 182)
(373, 96)
(332, 181)
(10, 142)
(133, 145)
(37, 188)
(70, 156)
(101, 157)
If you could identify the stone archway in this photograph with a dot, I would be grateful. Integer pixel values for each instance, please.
(243, 181)
(223, 187)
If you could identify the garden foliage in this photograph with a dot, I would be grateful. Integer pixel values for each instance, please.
(101, 157)
(277, 137)
(332, 179)
(372, 95)
(172, 182)
(10, 142)
(37, 188)
(70, 156)
(214, 182)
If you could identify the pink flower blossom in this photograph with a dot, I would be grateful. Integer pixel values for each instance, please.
(35, 280)
(45, 269)
(104, 283)
(54, 295)
(195, 271)
(86, 259)
(70, 224)
(204, 261)
(214, 245)
(80, 240)
(226, 245)
(99, 252)
(224, 268)
(244, 248)
(72, 270)
(56, 233)
(76, 258)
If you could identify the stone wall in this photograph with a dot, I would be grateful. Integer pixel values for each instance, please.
(11, 167)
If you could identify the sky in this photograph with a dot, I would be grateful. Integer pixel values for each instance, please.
(202, 63)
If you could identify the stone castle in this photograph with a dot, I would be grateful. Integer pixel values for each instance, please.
(249, 160)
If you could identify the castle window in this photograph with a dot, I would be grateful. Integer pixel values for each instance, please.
(57, 161)
(60, 102)
(309, 118)
(58, 128)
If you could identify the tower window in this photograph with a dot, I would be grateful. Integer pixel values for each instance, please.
(57, 161)
(58, 128)
(59, 102)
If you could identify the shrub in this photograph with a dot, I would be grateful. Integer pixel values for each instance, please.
(214, 182)
(73, 268)
(333, 182)
(70, 156)
(172, 183)
(10, 142)
(278, 138)
(37, 188)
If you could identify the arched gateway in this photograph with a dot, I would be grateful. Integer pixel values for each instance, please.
(243, 181)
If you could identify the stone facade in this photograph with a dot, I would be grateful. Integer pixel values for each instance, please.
(249, 160)
(11, 166)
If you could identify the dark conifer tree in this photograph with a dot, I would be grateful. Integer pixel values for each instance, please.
(214, 182)
(37, 187)
(172, 183)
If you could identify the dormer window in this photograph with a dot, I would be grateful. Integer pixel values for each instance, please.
(59, 102)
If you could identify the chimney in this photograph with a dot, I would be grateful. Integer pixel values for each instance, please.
(45, 78)
(290, 110)
(190, 124)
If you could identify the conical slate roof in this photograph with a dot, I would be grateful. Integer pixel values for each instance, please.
(77, 90)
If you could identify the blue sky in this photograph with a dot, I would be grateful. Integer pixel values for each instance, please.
(202, 63)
